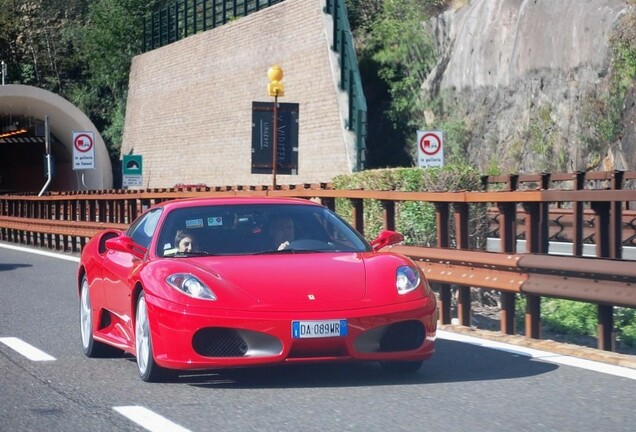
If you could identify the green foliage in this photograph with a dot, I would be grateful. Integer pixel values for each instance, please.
(416, 220)
(405, 54)
(603, 112)
(33, 43)
(395, 55)
(625, 321)
(573, 318)
(456, 138)
(106, 45)
(577, 318)
(569, 317)
(544, 137)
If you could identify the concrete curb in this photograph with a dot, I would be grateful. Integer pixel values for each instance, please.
(624, 360)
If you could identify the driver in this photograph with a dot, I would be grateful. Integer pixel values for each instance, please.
(281, 230)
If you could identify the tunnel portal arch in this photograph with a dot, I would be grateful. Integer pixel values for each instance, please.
(23, 110)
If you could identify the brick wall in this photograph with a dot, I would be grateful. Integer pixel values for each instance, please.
(189, 109)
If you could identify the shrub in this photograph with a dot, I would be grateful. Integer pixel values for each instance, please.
(415, 219)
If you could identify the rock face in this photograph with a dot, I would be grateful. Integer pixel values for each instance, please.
(530, 81)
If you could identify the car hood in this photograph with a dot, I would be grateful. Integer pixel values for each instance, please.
(291, 279)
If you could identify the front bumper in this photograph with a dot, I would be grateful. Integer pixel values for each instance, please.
(206, 338)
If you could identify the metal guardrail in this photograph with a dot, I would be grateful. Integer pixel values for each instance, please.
(64, 221)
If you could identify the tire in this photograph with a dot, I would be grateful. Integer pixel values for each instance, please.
(90, 346)
(149, 370)
(402, 367)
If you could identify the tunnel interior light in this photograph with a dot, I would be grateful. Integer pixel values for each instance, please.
(14, 132)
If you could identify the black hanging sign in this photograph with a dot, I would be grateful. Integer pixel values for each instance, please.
(263, 138)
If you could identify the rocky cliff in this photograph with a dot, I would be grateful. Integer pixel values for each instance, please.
(536, 84)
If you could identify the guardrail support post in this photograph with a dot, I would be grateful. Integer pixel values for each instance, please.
(605, 327)
(602, 231)
(534, 242)
(461, 241)
(358, 214)
(330, 203)
(577, 206)
(441, 220)
(616, 219)
(533, 316)
(388, 214)
(508, 233)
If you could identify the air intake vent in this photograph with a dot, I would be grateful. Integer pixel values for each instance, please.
(403, 336)
(219, 342)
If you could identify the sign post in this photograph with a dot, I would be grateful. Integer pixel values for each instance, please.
(83, 150)
(430, 149)
(276, 89)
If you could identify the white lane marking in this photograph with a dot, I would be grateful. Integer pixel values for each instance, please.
(40, 252)
(620, 371)
(149, 420)
(29, 351)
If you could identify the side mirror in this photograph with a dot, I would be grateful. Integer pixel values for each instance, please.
(125, 244)
(386, 238)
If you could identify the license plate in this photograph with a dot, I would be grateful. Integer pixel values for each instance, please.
(319, 329)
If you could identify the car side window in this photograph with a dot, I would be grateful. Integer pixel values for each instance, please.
(143, 229)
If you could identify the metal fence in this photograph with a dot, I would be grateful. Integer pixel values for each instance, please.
(350, 80)
(187, 17)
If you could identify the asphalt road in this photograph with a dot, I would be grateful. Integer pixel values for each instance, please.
(463, 387)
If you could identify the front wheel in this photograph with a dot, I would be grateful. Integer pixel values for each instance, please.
(90, 346)
(149, 370)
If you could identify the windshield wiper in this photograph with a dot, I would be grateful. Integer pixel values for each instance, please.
(289, 251)
(193, 254)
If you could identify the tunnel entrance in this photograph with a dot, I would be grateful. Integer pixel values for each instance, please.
(22, 156)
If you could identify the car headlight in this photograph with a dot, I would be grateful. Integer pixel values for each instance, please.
(407, 279)
(190, 285)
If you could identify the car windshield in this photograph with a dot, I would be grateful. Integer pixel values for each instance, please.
(250, 229)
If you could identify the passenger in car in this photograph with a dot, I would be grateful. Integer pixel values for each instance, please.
(183, 240)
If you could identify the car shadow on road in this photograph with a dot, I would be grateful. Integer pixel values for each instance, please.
(12, 266)
(453, 362)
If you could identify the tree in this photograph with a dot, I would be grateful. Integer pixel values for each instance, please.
(106, 44)
(395, 55)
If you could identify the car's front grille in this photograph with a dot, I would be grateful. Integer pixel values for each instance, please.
(403, 336)
(219, 342)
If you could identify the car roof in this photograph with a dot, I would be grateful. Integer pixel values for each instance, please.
(232, 200)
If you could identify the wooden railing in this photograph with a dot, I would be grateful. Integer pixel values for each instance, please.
(525, 207)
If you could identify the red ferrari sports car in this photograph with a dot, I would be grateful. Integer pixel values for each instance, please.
(233, 282)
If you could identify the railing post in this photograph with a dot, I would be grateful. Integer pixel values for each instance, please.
(533, 226)
(441, 219)
(616, 219)
(461, 242)
(336, 26)
(602, 234)
(358, 214)
(508, 236)
(330, 203)
(605, 327)
(577, 221)
(388, 214)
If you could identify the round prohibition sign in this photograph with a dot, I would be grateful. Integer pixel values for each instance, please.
(430, 144)
(83, 142)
